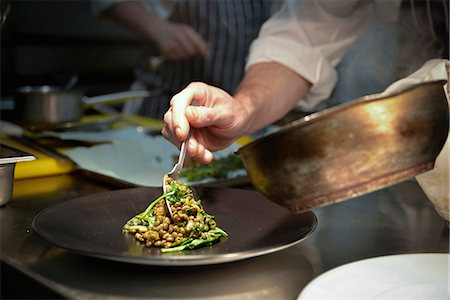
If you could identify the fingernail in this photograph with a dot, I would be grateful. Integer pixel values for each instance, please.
(208, 156)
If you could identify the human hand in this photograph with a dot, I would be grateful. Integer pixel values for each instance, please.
(180, 41)
(214, 118)
(175, 41)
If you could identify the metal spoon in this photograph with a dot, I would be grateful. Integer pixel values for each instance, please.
(175, 172)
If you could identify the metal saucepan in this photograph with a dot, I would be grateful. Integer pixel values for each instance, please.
(8, 158)
(44, 107)
(350, 149)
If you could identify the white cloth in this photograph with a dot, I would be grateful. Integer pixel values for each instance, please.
(434, 183)
(311, 37)
(432, 70)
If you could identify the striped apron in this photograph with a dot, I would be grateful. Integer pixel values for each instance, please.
(229, 26)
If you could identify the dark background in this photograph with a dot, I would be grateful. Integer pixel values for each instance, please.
(46, 42)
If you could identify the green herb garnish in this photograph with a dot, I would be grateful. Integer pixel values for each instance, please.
(218, 168)
(190, 227)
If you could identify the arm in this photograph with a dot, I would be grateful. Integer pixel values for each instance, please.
(268, 92)
(175, 41)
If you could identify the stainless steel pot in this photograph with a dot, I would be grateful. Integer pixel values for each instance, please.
(42, 107)
(8, 159)
(351, 149)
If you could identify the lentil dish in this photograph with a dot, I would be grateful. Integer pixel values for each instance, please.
(191, 227)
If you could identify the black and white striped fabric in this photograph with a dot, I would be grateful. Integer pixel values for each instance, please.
(229, 26)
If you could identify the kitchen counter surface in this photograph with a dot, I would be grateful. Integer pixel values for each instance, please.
(395, 220)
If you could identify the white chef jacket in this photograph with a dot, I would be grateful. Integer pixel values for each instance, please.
(311, 37)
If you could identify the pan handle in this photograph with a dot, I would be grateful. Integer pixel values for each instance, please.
(119, 97)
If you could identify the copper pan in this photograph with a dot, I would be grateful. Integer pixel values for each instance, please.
(350, 149)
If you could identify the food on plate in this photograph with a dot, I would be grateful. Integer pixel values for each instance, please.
(218, 168)
(190, 227)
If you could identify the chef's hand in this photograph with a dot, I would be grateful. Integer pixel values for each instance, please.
(179, 41)
(214, 118)
(175, 41)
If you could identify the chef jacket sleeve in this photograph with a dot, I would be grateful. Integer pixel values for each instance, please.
(311, 37)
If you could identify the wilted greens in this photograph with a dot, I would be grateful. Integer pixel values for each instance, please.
(191, 227)
(218, 168)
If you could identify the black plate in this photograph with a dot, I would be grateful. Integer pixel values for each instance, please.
(92, 226)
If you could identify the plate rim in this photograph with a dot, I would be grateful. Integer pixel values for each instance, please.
(304, 294)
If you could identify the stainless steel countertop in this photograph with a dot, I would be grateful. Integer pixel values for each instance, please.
(395, 220)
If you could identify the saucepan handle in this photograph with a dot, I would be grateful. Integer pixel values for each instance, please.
(119, 97)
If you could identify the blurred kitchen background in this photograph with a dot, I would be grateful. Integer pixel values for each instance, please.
(47, 42)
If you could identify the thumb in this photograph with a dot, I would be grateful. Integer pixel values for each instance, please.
(200, 116)
(203, 116)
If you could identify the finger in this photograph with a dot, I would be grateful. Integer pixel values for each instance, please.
(186, 46)
(198, 152)
(196, 44)
(175, 55)
(192, 147)
(168, 124)
(179, 102)
(201, 46)
(204, 156)
(168, 131)
(168, 117)
(202, 116)
(168, 135)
